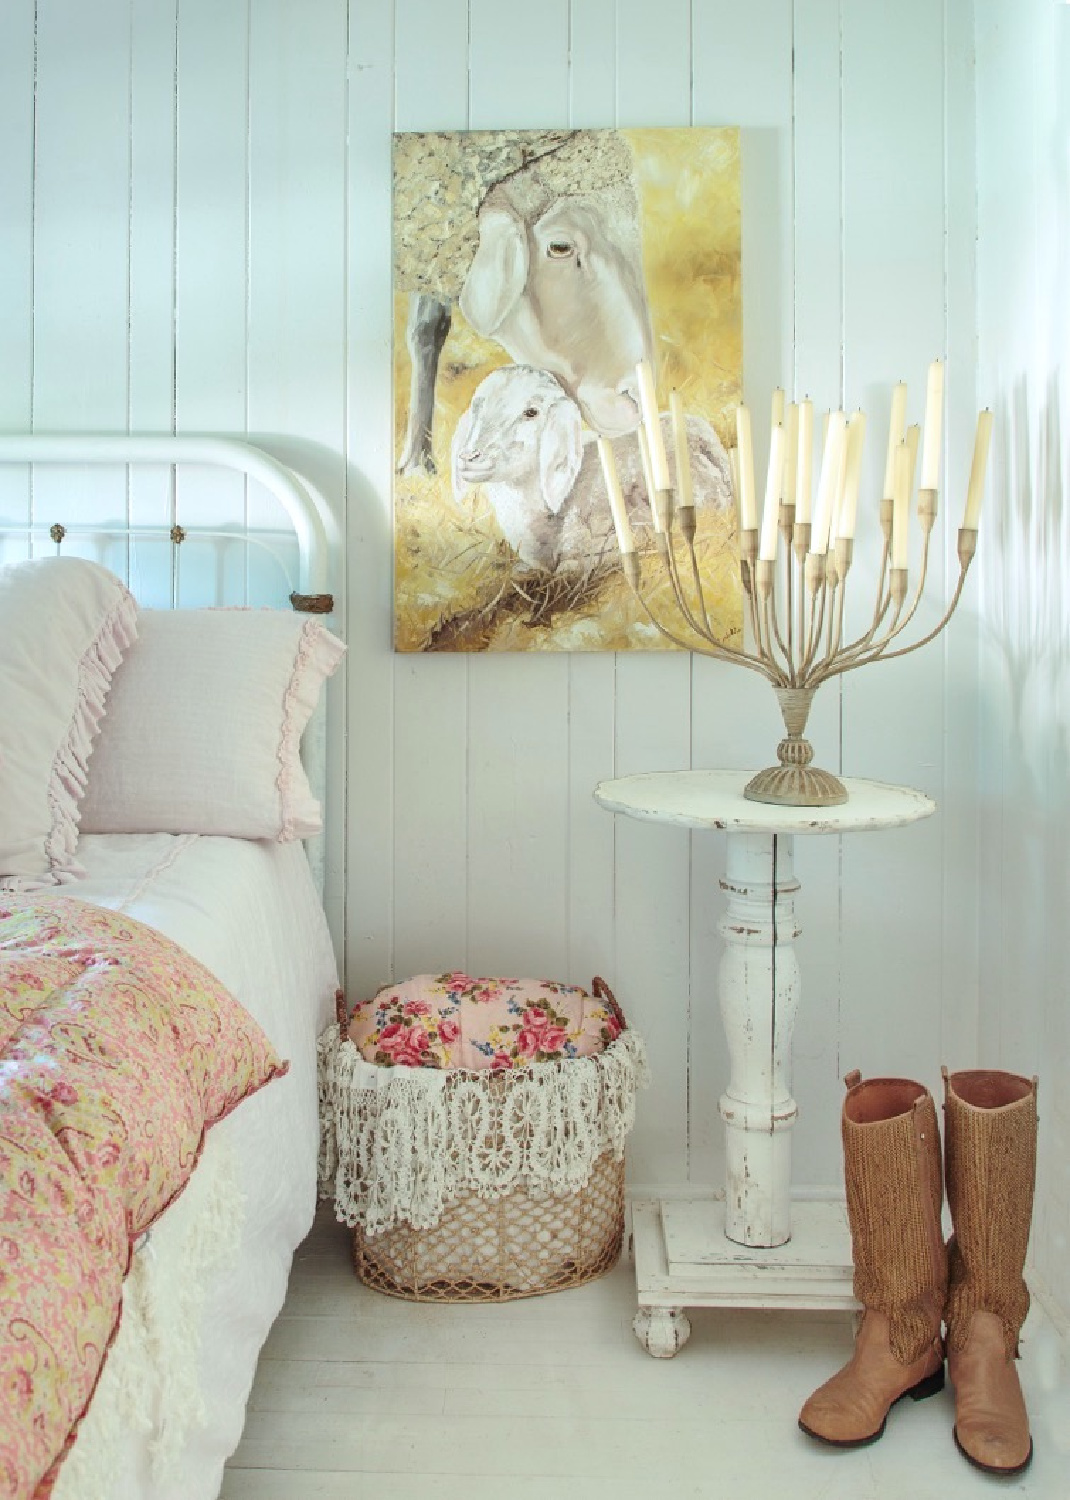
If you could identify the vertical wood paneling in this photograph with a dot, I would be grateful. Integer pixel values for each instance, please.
(960, 826)
(517, 819)
(369, 666)
(1023, 123)
(16, 246)
(297, 292)
(519, 65)
(431, 692)
(151, 400)
(81, 166)
(212, 287)
(894, 323)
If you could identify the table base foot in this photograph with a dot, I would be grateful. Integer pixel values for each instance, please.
(662, 1331)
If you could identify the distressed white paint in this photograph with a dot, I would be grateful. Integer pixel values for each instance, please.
(686, 1252)
(196, 231)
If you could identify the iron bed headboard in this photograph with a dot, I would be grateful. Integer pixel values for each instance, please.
(314, 528)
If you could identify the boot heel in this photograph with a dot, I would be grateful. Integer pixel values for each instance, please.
(930, 1386)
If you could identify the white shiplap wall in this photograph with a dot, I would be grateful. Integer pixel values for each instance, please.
(196, 227)
(1023, 90)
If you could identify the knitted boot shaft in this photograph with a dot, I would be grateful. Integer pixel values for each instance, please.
(990, 1128)
(891, 1148)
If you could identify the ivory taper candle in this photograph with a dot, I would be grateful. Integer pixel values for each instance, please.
(828, 483)
(659, 463)
(976, 486)
(912, 439)
(791, 454)
(748, 512)
(902, 484)
(804, 469)
(684, 492)
(622, 526)
(771, 510)
(648, 477)
(856, 432)
(931, 432)
(897, 427)
(733, 459)
(777, 413)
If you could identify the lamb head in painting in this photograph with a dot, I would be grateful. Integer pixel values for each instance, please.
(535, 234)
(522, 441)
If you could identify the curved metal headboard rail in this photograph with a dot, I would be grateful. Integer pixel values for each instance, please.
(312, 523)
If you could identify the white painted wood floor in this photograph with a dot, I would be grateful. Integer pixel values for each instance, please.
(365, 1397)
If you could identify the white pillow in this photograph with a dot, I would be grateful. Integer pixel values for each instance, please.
(204, 723)
(64, 624)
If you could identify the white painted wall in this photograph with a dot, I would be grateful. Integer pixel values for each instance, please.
(195, 228)
(1023, 90)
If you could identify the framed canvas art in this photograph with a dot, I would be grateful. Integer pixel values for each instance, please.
(533, 271)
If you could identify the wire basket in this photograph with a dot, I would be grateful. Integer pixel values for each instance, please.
(500, 1249)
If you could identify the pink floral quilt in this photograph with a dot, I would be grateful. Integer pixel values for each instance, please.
(117, 1052)
(455, 1021)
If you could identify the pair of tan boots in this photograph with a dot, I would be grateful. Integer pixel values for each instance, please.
(910, 1283)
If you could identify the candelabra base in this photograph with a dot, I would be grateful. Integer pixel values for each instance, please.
(796, 786)
(795, 782)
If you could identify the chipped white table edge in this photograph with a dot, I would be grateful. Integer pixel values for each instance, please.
(755, 1247)
(714, 799)
(811, 1272)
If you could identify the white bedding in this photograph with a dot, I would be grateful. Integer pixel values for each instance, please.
(250, 912)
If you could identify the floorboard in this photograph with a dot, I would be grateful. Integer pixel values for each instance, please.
(367, 1397)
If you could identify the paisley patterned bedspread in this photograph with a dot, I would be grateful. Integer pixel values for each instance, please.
(117, 1052)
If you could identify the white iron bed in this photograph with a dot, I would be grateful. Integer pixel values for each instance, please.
(210, 1277)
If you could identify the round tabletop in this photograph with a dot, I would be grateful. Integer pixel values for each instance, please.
(714, 799)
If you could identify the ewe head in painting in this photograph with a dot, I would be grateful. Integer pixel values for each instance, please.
(536, 235)
(522, 441)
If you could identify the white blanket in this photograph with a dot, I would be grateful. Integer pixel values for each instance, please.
(206, 1288)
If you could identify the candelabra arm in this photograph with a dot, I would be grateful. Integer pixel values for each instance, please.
(813, 637)
(859, 654)
(699, 590)
(702, 630)
(852, 655)
(925, 639)
(710, 646)
(773, 635)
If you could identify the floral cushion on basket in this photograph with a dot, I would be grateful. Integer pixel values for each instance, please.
(455, 1021)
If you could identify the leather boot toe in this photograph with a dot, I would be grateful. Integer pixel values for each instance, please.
(991, 1422)
(851, 1409)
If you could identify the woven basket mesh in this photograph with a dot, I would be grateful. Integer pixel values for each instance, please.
(496, 1251)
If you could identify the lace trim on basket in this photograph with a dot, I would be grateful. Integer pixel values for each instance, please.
(400, 1144)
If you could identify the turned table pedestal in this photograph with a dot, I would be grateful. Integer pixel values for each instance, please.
(754, 1247)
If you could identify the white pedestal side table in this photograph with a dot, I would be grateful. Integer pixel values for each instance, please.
(756, 1248)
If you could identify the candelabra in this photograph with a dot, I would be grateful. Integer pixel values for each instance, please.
(794, 568)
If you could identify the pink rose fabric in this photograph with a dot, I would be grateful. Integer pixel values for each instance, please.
(117, 1052)
(456, 1021)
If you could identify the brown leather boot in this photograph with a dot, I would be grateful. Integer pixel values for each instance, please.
(891, 1152)
(990, 1129)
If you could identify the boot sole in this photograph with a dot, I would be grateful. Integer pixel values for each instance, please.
(993, 1468)
(932, 1385)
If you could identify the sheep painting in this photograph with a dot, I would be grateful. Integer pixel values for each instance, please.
(522, 440)
(532, 271)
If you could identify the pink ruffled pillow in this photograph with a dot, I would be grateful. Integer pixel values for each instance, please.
(455, 1021)
(64, 625)
(204, 724)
